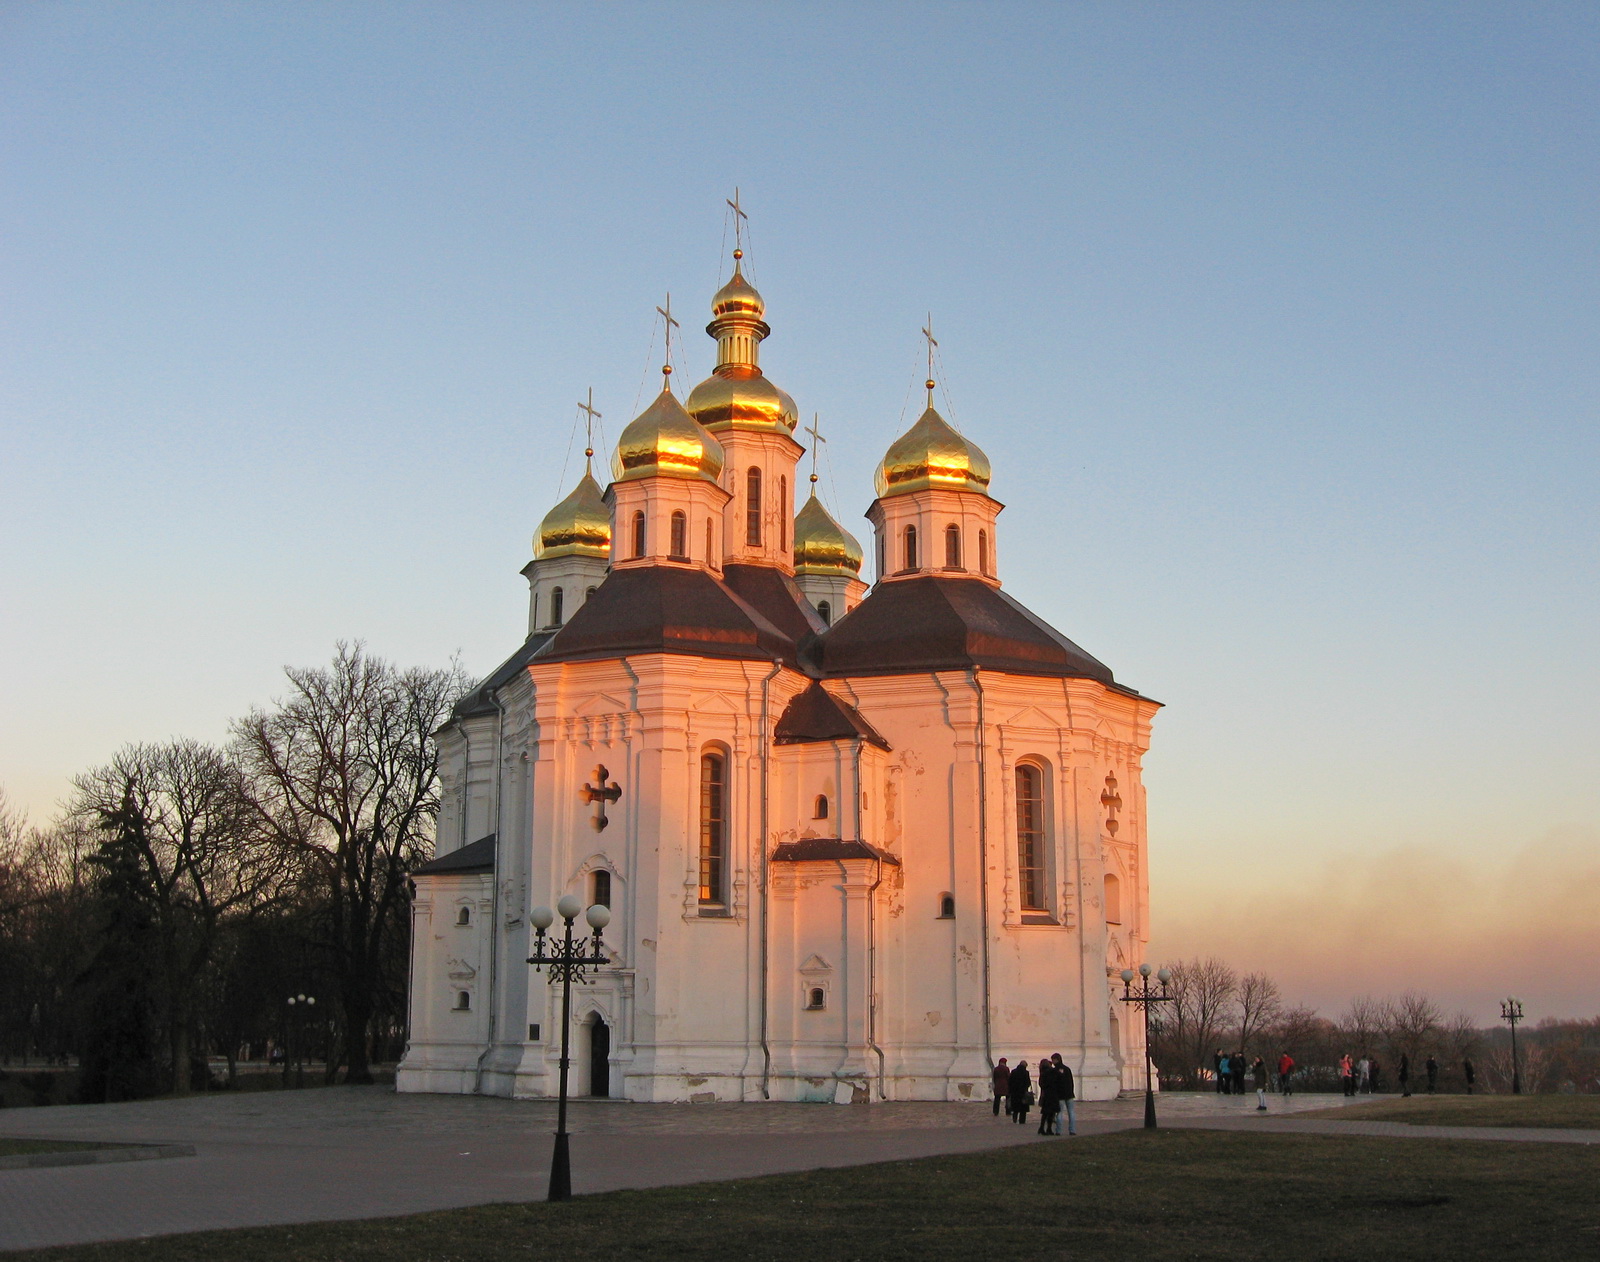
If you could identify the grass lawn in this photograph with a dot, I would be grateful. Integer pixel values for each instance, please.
(27, 1147)
(1578, 1111)
(1135, 1194)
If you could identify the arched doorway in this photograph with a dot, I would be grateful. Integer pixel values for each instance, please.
(599, 1057)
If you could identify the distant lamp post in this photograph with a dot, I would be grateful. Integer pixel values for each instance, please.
(294, 1042)
(1511, 1013)
(1145, 994)
(567, 960)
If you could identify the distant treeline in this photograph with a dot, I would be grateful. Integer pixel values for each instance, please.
(1215, 1009)
(187, 891)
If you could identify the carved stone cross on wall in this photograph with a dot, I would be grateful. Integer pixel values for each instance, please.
(1112, 801)
(600, 792)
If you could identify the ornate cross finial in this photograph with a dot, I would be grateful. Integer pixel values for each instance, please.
(927, 332)
(591, 416)
(600, 792)
(739, 218)
(816, 439)
(1112, 801)
(666, 315)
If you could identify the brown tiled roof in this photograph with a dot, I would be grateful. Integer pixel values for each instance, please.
(820, 849)
(817, 715)
(934, 623)
(664, 609)
(477, 857)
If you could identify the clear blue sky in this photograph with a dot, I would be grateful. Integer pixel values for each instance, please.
(1278, 322)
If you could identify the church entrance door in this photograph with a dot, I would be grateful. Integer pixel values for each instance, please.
(599, 1057)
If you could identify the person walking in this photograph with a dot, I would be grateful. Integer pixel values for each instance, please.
(1239, 1065)
(1002, 1087)
(1363, 1076)
(1049, 1097)
(1258, 1071)
(1432, 1067)
(1376, 1072)
(1224, 1074)
(1405, 1075)
(1347, 1074)
(1469, 1073)
(1216, 1072)
(1286, 1074)
(1069, 1097)
(1021, 1088)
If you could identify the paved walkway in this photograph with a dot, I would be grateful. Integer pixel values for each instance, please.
(365, 1152)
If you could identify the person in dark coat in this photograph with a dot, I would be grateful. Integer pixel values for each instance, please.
(1021, 1092)
(1069, 1097)
(1002, 1087)
(1405, 1075)
(1238, 1065)
(1433, 1075)
(1470, 1073)
(1049, 1097)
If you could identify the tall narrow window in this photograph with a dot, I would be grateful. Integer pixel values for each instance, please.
(881, 566)
(784, 509)
(535, 618)
(713, 830)
(752, 507)
(911, 548)
(638, 534)
(1113, 899)
(983, 552)
(557, 599)
(711, 556)
(952, 547)
(825, 612)
(680, 537)
(1030, 837)
(588, 592)
(601, 888)
(820, 810)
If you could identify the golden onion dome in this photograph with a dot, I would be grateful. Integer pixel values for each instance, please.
(822, 545)
(665, 441)
(742, 400)
(738, 297)
(932, 455)
(578, 526)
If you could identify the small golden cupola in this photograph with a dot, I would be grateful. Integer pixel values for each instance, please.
(932, 455)
(737, 395)
(822, 546)
(578, 526)
(665, 441)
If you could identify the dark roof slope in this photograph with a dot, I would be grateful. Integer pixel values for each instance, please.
(815, 849)
(935, 623)
(477, 701)
(817, 715)
(774, 595)
(664, 609)
(477, 857)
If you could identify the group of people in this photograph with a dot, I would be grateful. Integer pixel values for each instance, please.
(1361, 1077)
(1014, 1090)
(1231, 1069)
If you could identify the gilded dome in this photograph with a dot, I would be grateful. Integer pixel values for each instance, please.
(738, 296)
(578, 526)
(932, 454)
(664, 440)
(730, 400)
(822, 545)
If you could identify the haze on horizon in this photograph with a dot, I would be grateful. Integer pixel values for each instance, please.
(1278, 325)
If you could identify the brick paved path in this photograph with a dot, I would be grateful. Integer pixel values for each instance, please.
(364, 1152)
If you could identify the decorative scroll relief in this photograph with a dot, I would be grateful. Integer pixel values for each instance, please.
(459, 970)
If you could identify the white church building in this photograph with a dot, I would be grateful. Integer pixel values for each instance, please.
(866, 841)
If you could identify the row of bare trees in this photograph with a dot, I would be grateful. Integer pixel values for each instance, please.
(186, 889)
(1217, 1009)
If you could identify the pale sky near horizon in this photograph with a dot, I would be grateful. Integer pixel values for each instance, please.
(1279, 325)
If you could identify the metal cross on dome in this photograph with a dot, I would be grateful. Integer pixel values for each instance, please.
(927, 332)
(739, 218)
(590, 417)
(666, 315)
(816, 438)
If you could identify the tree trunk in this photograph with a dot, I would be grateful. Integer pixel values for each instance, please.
(180, 1053)
(358, 1022)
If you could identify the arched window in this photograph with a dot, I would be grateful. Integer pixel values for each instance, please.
(711, 556)
(881, 565)
(752, 507)
(1113, 899)
(638, 534)
(983, 552)
(952, 547)
(463, 1001)
(1031, 837)
(464, 916)
(784, 511)
(825, 612)
(536, 609)
(713, 830)
(680, 537)
(820, 810)
(600, 888)
(557, 597)
(947, 906)
(911, 548)
(588, 592)
(816, 999)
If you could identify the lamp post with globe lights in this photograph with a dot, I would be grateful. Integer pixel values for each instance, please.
(1145, 994)
(567, 959)
(1511, 1013)
(294, 1043)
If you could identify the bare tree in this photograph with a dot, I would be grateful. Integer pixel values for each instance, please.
(1364, 1023)
(200, 853)
(1201, 1013)
(1259, 1003)
(1412, 1026)
(346, 776)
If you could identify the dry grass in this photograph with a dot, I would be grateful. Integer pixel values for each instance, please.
(1580, 1112)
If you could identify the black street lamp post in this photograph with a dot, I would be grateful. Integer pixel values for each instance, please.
(1145, 995)
(1511, 1013)
(294, 1038)
(567, 960)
